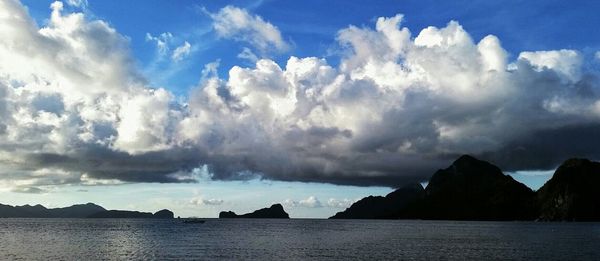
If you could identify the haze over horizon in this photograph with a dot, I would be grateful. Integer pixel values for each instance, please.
(234, 106)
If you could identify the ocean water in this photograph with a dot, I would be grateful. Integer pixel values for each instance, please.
(295, 239)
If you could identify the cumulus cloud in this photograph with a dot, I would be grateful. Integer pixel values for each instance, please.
(236, 23)
(566, 63)
(74, 109)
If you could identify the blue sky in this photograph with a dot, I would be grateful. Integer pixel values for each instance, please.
(178, 50)
(312, 26)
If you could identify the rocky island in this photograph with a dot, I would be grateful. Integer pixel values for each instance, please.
(275, 211)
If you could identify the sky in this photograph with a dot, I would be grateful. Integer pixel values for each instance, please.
(203, 106)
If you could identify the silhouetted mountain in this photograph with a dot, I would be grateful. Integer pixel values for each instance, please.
(472, 189)
(75, 211)
(392, 206)
(39, 211)
(572, 194)
(275, 211)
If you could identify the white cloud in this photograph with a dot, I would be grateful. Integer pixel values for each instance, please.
(78, 3)
(236, 23)
(181, 52)
(597, 55)
(340, 203)
(395, 109)
(162, 41)
(566, 63)
(165, 43)
(247, 54)
(310, 202)
(314, 202)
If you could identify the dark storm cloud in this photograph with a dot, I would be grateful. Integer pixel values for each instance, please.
(546, 149)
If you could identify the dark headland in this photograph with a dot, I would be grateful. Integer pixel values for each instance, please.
(275, 211)
(472, 189)
(88, 210)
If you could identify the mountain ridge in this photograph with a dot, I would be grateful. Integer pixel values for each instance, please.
(473, 189)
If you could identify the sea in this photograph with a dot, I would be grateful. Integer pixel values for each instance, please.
(295, 239)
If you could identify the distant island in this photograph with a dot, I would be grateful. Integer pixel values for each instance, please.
(472, 189)
(275, 211)
(89, 210)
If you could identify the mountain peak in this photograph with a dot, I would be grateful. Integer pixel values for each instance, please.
(572, 193)
(572, 162)
(465, 158)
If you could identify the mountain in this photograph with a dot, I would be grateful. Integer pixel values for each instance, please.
(39, 211)
(472, 189)
(392, 206)
(469, 189)
(572, 194)
(275, 211)
(76, 211)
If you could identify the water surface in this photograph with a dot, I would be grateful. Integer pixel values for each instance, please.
(295, 239)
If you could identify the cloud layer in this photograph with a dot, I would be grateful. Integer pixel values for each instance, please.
(74, 109)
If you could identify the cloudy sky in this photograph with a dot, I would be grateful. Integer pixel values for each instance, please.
(207, 106)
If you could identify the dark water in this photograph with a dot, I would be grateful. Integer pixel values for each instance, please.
(85, 239)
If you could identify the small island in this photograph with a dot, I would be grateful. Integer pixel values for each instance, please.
(275, 211)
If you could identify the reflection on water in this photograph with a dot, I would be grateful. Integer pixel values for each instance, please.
(89, 239)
